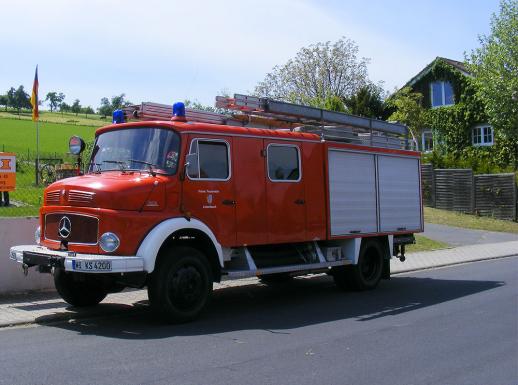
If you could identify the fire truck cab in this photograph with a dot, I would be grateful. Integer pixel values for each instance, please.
(273, 190)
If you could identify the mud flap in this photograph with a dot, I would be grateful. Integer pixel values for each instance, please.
(385, 274)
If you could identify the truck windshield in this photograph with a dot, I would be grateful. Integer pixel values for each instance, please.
(140, 148)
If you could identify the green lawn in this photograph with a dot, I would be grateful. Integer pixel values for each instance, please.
(467, 221)
(19, 136)
(57, 117)
(425, 244)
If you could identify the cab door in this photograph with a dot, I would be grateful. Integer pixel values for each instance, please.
(285, 195)
(208, 189)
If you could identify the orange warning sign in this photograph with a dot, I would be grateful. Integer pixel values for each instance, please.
(7, 171)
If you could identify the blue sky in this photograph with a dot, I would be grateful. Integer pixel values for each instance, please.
(165, 51)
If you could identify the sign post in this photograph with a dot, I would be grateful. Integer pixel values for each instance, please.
(7, 171)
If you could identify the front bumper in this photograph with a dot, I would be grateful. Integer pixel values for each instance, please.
(33, 255)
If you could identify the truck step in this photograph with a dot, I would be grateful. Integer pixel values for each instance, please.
(311, 267)
(283, 254)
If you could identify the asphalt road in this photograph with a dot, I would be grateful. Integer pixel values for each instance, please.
(457, 325)
(456, 236)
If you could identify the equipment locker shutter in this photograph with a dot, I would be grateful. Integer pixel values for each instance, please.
(352, 193)
(400, 202)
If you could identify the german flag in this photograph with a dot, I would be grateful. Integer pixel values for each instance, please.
(34, 97)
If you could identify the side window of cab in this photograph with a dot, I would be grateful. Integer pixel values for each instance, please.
(283, 163)
(209, 159)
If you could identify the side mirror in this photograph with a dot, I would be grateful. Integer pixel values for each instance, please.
(76, 145)
(191, 166)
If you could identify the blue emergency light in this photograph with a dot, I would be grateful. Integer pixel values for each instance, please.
(118, 116)
(179, 110)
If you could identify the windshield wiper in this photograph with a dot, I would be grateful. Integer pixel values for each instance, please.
(121, 164)
(96, 169)
(150, 165)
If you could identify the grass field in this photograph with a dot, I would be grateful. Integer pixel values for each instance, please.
(19, 136)
(425, 244)
(450, 218)
(58, 117)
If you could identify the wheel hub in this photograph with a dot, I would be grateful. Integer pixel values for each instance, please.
(186, 288)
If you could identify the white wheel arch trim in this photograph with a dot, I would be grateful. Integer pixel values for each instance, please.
(149, 248)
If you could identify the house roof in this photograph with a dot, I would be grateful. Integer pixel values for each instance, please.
(454, 63)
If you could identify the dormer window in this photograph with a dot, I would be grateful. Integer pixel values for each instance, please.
(441, 94)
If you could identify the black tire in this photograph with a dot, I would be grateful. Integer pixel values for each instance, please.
(367, 273)
(79, 291)
(272, 279)
(181, 285)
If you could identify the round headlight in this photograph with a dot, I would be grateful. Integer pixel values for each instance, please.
(109, 242)
(37, 235)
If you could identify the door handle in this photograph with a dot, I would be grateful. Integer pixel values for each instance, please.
(300, 201)
(228, 202)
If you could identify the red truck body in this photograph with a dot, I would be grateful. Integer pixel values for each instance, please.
(230, 197)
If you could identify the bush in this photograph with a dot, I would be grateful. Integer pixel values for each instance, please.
(481, 160)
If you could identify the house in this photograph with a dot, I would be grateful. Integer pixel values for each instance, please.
(442, 84)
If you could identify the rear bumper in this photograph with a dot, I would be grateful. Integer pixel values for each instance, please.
(32, 255)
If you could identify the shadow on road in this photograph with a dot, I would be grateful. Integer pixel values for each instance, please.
(279, 308)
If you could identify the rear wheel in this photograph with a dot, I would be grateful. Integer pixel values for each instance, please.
(181, 285)
(367, 273)
(79, 290)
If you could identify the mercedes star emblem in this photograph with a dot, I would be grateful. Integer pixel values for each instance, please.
(65, 227)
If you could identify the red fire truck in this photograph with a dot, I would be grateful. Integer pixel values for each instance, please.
(267, 189)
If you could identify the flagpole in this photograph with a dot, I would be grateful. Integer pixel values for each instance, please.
(37, 152)
(36, 118)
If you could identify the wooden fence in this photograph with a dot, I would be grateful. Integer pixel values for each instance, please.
(492, 195)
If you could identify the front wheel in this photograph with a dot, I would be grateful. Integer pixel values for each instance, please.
(181, 285)
(78, 290)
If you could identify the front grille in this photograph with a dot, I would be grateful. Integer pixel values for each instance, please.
(52, 197)
(83, 228)
(80, 198)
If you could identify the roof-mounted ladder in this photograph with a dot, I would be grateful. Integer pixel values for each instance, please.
(330, 125)
(251, 111)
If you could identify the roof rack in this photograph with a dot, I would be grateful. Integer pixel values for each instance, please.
(156, 111)
(251, 111)
(330, 125)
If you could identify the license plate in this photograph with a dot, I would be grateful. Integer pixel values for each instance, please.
(91, 265)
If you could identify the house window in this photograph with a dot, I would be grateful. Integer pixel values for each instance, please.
(482, 135)
(441, 94)
(427, 141)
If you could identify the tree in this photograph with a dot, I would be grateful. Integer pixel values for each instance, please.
(117, 102)
(4, 101)
(106, 108)
(195, 105)
(64, 107)
(54, 99)
(87, 110)
(21, 99)
(76, 107)
(495, 69)
(317, 72)
(409, 111)
(368, 101)
(11, 98)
